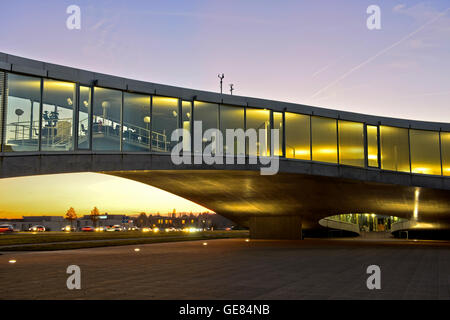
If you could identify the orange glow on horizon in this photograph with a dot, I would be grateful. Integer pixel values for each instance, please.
(52, 195)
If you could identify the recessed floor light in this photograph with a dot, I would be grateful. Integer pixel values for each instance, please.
(137, 249)
(12, 261)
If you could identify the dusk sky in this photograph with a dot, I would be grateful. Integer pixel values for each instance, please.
(319, 52)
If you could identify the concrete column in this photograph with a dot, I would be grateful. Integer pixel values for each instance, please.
(276, 227)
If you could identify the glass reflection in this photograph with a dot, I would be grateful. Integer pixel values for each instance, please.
(298, 136)
(324, 139)
(278, 124)
(394, 149)
(106, 119)
(351, 143)
(425, 153)
(258, 119)
(232, 118)
(84, 111)
(136, 122)
(445, 149)
(186, 108)
(208, 114)
(22, 113)
(164, 122)
(372, 146)
(57, 115)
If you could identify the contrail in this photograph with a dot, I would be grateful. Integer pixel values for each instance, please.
(345, 75)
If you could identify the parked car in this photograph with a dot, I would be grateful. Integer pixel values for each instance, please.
(37, 228)
(87, 229)
(4, 228)
(134, 228)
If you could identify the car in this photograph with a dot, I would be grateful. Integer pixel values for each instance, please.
(68, 229)
(100, 229)
(171, 229)
(87, 229)
(115, 227)
(4, 228)
(37, 228)
(134, 228)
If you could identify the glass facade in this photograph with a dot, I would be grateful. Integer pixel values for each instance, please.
(324, 139)
(186, 123)
(106, 129)
(425, 152)
(372, 146)
(445, 150)
(394, 146)
(298, 136)
(351, 143)
(136, 122)
(258, 119)
(164, 122)
(78, 117)
(278, 124)
(208, 114)
(22, 113)
(84, 111)
(232, 118)
(58, 103)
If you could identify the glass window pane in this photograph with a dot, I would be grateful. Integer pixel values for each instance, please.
(164, 122)
(136, 122)
(259, 119)
(324, 140)
(232, 118)
(351, 143)
(278, 124)
(106, 119)
(208, 114)
(83, 118)
(425, 153)
(2, 81)
(394, 149)
(372, 146)
(445, 146)
(298, 136)
(57, 115)
(22, 113)
(187, 123)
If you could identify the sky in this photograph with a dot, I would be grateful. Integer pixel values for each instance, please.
(318, 52)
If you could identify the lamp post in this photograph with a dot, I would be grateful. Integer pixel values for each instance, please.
(221, 76)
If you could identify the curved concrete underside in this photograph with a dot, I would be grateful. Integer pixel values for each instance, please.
(239, 195)
(302, 188)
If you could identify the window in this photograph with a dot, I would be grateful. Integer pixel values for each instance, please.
(394, 149)
(165, 121)
(278, 124)
(84, 111)
(186, 107)
(22, 113)
(445, 147)
(324, 140)
(298, 136)
(372, 146)
(208, 114)
(106, 119)
(258, 119)
(425, 153)
(351, 143)
(232, 118)
(136, 122)
(57, 115)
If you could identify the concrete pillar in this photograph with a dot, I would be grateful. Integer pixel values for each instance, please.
(276, 227)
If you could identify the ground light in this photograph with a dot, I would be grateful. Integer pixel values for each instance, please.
(12, 261)
(205, 243)
(137, 249)
(247, 240)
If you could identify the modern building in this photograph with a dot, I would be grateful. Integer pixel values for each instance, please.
(59, 119)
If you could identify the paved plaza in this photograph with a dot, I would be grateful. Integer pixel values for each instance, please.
(234, 269)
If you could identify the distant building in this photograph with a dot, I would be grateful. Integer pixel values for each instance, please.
(56, 223)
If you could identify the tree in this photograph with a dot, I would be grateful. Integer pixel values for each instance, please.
(142, 220)
(71, 216)
(94, 216)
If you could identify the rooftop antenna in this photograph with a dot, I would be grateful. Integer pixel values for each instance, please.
(231, 88)
(221, 76)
